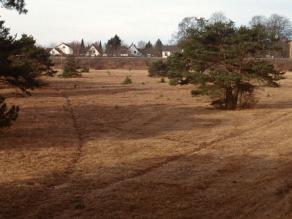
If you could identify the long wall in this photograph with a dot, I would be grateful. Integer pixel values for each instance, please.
(137, 63)
(141, 63)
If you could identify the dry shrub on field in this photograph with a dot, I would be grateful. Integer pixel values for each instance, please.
(127, 80)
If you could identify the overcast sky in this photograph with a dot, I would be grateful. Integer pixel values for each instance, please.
(56, 21)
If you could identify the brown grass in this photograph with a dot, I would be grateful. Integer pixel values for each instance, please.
(91, 147)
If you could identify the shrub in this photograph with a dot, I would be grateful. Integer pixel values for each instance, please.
(7, 115)
(84, 70)
(70, 68)
(162, 80)
(173, 82)
(158, 68)
(127, 80)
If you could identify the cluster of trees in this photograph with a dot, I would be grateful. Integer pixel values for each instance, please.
(22, 63)
(278, 29)
(149, 48)
(220, 58)
(115, 46)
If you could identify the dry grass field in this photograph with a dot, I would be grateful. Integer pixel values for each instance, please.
(91, 147)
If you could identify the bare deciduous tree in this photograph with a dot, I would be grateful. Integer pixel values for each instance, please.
(278, 27)
(218, 17)
(141, 44)
(186, 24)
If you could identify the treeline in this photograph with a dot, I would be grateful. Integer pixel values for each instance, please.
(277, 28)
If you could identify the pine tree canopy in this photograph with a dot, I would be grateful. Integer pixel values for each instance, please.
(221, 59)
(18, 5)
(21, 64)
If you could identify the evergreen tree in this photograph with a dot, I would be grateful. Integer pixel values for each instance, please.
(82, 50)
(158, 48)
(113, 45)
(149, 45)
(220, 57)
(18, 5)
(158, 44)
(100, 47)
(21, 64)
(70, 68)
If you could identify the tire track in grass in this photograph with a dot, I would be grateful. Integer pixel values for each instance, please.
(191, 152)
(64, 178)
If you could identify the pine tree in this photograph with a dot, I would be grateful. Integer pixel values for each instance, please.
(220, 58)
(113, 45)
(149, 45)
(70, 68)
(82, 48)
(21, 64)
(18, 5)
(100, 47)
(158, 48)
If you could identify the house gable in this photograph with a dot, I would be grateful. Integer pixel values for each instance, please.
(93, 51)
(133, 50)
(54, 52)
(66, 49)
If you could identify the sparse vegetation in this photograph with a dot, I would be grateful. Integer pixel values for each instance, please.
(127, 80)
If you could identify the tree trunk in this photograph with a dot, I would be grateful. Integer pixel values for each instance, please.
(231, 98)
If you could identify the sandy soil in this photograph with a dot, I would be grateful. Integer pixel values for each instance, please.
(93, 148)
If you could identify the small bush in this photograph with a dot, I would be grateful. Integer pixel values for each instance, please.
(200, 91)
(84, 70)
(70, 68)
(158, 68)
(127, 80)
(162, 80)
(195, 93)
(7, 114)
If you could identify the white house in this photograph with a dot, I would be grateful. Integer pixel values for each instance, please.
(93, 51)
(62, 49)
(169, 50)
(134, 51)
(56, 52)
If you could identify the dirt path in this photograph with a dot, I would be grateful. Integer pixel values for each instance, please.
(93, 148)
